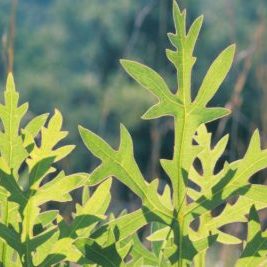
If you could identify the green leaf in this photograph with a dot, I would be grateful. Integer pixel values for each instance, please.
(215, 76)
(121, 164)
(31, 130)
(48, 192)
(50, 137)
(152, 81)
(11, 144)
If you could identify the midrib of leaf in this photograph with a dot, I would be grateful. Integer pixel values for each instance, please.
(10, 129)
(182, 79)
(28, 233)
(28, 230)
(180, 185)
(4, 246)
(184, 88)
(184, 71)
(178, 148)
(179, 196)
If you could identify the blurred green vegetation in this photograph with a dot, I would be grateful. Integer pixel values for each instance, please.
(66, 55)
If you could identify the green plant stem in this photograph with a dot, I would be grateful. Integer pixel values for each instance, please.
(27, 233)
(28, 258)
(179, 190)
(5, 221)
(200, 259)
(179, 187)
(184, 131)
(180, 244)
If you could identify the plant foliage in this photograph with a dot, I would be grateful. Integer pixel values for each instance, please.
(181, 220)
(31, 235)
(194, 194)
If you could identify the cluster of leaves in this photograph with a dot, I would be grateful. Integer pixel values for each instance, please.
(193, 194)
(33, 236)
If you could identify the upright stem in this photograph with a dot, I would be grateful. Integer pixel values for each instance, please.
(27, 233)
(5, 222)
(179, 187)
(200, 259)
(182, 159)
(179, 191)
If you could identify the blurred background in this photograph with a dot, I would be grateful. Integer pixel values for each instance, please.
(65, 55)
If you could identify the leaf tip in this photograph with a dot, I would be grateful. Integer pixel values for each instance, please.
(122, 127)
(10, 84)
(231, 50)
(82, 130)
(201, 18)
(57, 112)
(124, 63)
(175, 6)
